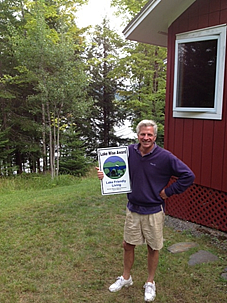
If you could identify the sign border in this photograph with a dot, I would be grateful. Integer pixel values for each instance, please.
(106, 188)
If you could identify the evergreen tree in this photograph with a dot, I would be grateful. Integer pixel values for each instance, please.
(14, 88)
(72, 154)
(143, 67)
(46, 81)
(5, 153)
(107, 112)
(144, 70)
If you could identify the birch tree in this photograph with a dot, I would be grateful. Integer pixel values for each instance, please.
(46, 47)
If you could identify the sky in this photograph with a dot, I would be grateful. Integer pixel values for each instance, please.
(125, 131)
(94, 12)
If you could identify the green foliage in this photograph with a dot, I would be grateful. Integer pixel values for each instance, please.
(73, 160)
(5, 152)
(144, 70)
(128, 7)
(45, 79)
(53, 83)
(102, 56)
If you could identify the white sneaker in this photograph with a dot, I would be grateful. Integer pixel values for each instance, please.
(120, 282)
(150, 291)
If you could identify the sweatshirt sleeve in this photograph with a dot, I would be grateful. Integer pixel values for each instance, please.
(184, 174)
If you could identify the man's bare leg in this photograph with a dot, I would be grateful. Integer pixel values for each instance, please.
(152, 260)
(128, 259)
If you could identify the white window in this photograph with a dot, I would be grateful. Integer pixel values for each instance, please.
(199, 73)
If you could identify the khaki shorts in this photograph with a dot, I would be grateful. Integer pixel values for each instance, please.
(140, 229)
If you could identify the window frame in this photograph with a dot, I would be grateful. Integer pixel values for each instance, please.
(205, 34)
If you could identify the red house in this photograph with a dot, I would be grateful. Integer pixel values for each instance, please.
(194, 31)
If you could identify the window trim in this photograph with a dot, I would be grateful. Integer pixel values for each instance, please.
(215, 32)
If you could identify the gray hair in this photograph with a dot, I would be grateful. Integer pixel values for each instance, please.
(147, 123)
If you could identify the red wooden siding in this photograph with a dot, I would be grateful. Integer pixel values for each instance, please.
(202, 144)
(224, 163)
(196, 142)
(223, 4)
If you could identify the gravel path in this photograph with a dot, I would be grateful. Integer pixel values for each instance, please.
(217, 238)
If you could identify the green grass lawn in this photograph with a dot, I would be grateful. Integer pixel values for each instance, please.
(62, 242)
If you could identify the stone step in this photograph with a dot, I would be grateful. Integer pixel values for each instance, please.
(202, 256)
(181, 247)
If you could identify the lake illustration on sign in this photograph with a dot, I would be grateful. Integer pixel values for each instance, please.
(114, 167)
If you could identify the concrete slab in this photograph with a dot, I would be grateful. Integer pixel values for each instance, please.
(181, 247)
(202, 256)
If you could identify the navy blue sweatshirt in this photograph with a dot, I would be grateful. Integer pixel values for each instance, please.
(151, 173)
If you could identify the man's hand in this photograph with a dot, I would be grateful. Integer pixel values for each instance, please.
(163, 194)
(100, 173)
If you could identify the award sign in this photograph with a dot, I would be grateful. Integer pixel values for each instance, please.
(113, 162)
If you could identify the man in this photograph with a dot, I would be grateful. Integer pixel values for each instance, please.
(150, 168)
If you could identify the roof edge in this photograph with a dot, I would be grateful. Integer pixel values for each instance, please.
(141, 15)
(151, 24)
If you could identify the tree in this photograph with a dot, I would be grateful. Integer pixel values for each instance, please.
(144, 70)
(59, 71)
(46, 49)
(5, 153)
(13, 87)
(128, 8)
(102, 57)
(143, 67)
(73, 154)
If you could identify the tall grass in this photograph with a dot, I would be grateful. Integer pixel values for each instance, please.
(34, 182)
(61, 241)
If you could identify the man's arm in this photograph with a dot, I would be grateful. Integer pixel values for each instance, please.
(185, 177)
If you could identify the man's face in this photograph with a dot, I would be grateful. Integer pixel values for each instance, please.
(146, 137)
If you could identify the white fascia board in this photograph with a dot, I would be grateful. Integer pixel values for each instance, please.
(152, 23)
